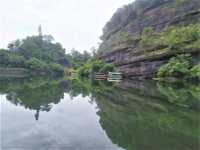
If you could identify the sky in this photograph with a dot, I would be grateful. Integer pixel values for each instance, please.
(74, 23)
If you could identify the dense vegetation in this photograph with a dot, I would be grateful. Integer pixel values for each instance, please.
(36, 53)
(42, 56)
(78, 59)
(87, 64)
(180, 66)
(95, 66)
(174, 38)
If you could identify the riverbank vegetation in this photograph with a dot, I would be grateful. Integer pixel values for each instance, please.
(181, 67)
(93, 66)
(87, 64)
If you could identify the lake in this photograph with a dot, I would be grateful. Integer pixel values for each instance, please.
(79, 114)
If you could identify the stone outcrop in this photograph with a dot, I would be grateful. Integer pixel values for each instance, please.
(123, 33)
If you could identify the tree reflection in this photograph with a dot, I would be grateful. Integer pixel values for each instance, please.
(37, 94)
(136, 115)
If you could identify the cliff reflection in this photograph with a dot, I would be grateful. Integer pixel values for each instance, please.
(144, 115)
(136, 115)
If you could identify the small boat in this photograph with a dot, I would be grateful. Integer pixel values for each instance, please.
(114, 76)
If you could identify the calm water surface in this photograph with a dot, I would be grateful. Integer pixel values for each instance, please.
(58, 114)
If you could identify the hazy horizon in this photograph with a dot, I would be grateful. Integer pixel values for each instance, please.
(74, 23)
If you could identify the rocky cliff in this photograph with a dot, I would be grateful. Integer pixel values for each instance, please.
(142, 36)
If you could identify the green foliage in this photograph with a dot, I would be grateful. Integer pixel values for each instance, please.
(180, 94)
(176, 37)
(36, 64)
(107, 68)
(8, 59)
(180, 66)
(173, 37)
(42, 49)
(36, 53)
(90, 67)
(93, 66)
(57, 68)
(85, 70)
(176, 67)
(147, 37)
(195, 71)
(97, 65)
(78, 59)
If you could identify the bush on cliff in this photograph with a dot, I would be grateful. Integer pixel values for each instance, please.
(176, 37)
(176, 67)
(173, 37)
(195, 71)
(180, 66)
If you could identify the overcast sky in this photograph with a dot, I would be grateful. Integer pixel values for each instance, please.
(74, 23)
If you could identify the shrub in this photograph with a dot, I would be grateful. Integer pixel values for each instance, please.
(195, 71)
(16, 60)
(94, 66)
(36, 64)
(147, 37)
(173, 37)
(8, 59)
(97, 65)
(56, 68)
(107, 68)
(85, 70)
(176, 67)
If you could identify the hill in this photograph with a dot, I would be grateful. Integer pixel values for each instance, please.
(145, 35)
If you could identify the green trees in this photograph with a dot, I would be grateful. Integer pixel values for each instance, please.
(9, 59)
(41, 48)
(107, 68)
(94, 66)
(78, 59)
(56, 68)
(36, 64)
(36, 53)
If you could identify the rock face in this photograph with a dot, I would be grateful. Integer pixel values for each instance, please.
(122, 34)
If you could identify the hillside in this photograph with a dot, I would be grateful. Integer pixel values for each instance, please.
(144, 35)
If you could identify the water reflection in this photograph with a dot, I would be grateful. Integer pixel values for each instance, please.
(35, 94)
(135, 115)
